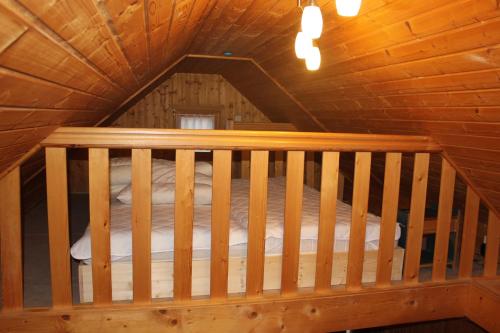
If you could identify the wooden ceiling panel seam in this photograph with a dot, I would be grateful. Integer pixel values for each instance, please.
(26, 16)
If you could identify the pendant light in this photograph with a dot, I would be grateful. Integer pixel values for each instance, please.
(312, 21)
(313, 59)
(302, 45)
(347, 7)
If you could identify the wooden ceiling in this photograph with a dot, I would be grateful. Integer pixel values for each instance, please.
(426, 67)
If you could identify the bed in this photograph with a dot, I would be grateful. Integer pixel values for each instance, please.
(162, 244)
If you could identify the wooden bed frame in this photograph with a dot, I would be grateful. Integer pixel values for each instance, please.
(321, 308)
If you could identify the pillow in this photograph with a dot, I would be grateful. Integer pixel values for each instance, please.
(119, 161)
(164, 193)
(114, 190)
(169, 177)
(121, 174)
(204, 168)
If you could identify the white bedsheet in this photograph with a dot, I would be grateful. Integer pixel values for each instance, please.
(162, 241)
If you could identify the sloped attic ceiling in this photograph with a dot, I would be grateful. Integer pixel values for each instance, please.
(427, 67)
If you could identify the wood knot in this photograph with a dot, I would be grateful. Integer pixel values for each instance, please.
(162, 311)
(66, 317)
(253, 315)
(313, 311)
(173, 322)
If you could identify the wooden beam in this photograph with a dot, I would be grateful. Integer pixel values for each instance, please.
(221, 216)
(92, 137)
(443, 227)
(492, 246)
(183, 226)
(100, 224)
(257, 216)
(327, 220)
(293, 220)
(57, 210)
(10, 241)
(307, 312)
(141, 225)
(358, 224)
(416, 218)
(467, 249)
(392, 180)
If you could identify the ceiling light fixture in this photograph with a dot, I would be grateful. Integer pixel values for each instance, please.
(313, 59)
(312, 20)
(348, 7)
(302, 45)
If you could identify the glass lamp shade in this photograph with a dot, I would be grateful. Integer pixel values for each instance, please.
(313, 59)
(312, 22)
(302, 45)
(348, 7)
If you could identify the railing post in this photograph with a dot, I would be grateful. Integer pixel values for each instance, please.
(492, 245)
(355, 257)
(472, 203)
(57, 207)
(10, 239)
(257, 213)
(221, 215)
(141, 225)
(416, 218)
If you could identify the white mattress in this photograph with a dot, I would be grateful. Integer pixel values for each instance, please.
(162, 241)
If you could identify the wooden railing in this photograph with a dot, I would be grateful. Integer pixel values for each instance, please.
(99, 140)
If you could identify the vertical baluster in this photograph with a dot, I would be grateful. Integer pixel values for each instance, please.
(445, 208)
(416, 219)
(57, 209)
(310, 168)
(10, 239)
(293, 217)
(392, 178)
(257, 211)
(141, 225)
(492, 245)
(469, 233)
(245, 164)
(327, 219)
(221, 211)
(358, 224)
(183, 227)
(278, 163)
(99, 224)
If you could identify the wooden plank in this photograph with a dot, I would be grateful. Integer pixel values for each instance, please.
(141, 224)
(221, 214)
(330, 312)
(358, 225)
(100, 224)
(236, 140)
(245, 164)
(293, 219)
(57, 213)
(310, 168)
(327, 220)
(183, 228)
(279, 157)
(390, 199)
(443, 227)
(492, 245)
(257, 213)
(416, 218)
(10, 239)
(483, 304)
(469, 233)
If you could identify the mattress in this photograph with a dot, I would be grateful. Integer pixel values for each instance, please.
(162, 235)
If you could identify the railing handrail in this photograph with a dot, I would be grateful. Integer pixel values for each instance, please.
(92, 137)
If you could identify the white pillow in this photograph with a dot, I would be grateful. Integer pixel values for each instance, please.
(116, 189)
(164, 193)
(119, 161)
(204, 168)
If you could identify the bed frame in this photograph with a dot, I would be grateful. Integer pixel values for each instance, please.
(321, 308)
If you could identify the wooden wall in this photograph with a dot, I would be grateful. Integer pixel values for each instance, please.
(191, 90)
